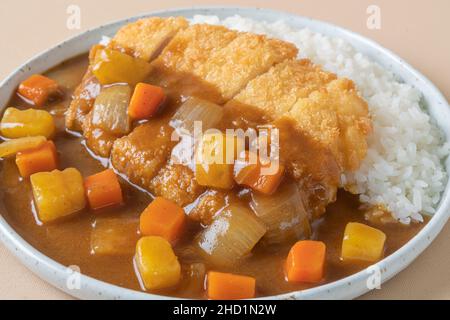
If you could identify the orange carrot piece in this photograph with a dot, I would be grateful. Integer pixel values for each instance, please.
(252, 175)
(103, 189)
(38, 89)
(145, 101)
(305, 262)
(162, 218)
(42, 158)
(227, 286)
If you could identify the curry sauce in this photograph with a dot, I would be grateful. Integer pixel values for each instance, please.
(68, 241)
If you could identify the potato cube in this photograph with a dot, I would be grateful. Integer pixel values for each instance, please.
(362, 242)
(114, 236)
(25, 123)
(58, 193)
(215, 160)
(112, 66)
(157, 263)
(11, 147)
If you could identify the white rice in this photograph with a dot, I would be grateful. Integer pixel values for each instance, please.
(404, 168)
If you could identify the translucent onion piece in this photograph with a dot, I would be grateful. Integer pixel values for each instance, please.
(231, 236)
(283, 213)
(110, 110)
(195, 109)
(114, 236)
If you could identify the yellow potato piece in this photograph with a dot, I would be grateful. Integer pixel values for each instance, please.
(25, 123)
(58, 193)
(215, 160)
(112, 66)
(11, 147)
(157, 263)
(362, 242)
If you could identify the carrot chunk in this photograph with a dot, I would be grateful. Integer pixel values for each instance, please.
(103, 189)
(145, 101)
(249, 171)
(162, 218)
(38, 89)
(42, 158)
(305, 262)
(227, 286)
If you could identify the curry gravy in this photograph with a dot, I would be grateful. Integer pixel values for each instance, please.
(68, 241)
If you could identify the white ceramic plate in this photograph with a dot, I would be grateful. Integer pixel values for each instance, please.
(347, 288)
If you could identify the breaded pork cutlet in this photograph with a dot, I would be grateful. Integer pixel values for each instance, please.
(189, 49)
(141, 154)
(192, 47)
(339, 118)
(275, 92)
(145, 38)
(84, 96)
(247, 56)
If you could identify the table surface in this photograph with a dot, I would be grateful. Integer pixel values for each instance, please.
(415, 30)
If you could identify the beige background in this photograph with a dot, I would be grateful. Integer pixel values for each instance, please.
(416, 30)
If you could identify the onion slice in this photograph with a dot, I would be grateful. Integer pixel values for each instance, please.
(110, 111)
(195, 109)
(283, 213)
(231, 236)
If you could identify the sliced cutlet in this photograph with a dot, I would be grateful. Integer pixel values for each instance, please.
(338, 117)
(141, 154)
(310, 162)
(145, 38)
(148, 158)
(83, 97)
(191, 47)
(276, 91)
(247, 56)
(177, 183)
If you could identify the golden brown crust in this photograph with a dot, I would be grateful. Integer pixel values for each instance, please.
(146, 37)
(176, 183)
(82, 101)
(243, 59)
(191, 47)
(276, 91)
(339, 118)
(142, 153)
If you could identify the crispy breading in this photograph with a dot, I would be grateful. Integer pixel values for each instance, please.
(177, 183)
(84, 96)
(337, 117)
(276, 91)
(191, 47)
(310, 162)
(317, 121)
(208, 205)
(98, 140)
(145, 38)
(142, 153)
(243, 59)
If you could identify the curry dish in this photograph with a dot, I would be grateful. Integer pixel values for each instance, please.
(101, 168)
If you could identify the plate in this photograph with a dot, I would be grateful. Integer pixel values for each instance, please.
(346, 288)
